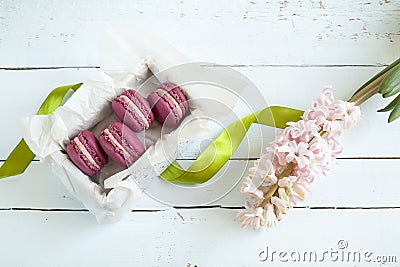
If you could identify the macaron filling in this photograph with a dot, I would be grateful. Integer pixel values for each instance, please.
(180, 97)
(85, 152)
(116, 144)
(177, 107)
(136, 109)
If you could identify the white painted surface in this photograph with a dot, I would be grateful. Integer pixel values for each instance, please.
(351, 183)
(287, 48)
(62, 33)
(305, 82)
(202, 237)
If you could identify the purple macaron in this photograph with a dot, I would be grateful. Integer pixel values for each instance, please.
(121, 144)
(134, 110)
(169, 104)
(86, 153)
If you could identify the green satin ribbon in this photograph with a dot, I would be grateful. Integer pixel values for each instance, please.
(210, 161)
(21, 156)
(214, 157)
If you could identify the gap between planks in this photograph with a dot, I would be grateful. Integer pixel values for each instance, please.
(216, 65)
(249, 159)
(202, 207)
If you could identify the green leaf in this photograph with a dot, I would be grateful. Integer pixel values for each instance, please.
(394, 91)
(379, 74)
(395, 113)
(391, 84)
(391, 105)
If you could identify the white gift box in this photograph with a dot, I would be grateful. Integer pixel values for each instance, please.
(131, 59)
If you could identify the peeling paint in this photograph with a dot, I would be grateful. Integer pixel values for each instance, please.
(263, 24)
(180, 216)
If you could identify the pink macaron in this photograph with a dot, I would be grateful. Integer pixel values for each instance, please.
(86, 153)
(169, 104)
(134, 110)
(121, 144)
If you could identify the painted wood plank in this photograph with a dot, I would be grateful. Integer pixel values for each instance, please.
(22, 94)
(66, 33)
(252, 33)
(25, 90)
(208, 237)
(297, 87)
(350, 183)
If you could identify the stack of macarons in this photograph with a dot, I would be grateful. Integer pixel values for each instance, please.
(168, 104)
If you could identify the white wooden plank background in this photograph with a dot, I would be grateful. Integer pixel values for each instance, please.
(289, 49)
(62, 33)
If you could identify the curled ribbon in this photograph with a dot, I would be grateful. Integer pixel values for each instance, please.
(214, 157)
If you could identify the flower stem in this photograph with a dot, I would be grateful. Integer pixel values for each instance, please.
(368, 91)
(286, 171)
(270, 193)
(321, 133)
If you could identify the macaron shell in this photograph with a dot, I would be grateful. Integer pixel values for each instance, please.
(80, 160)
(165, 110)
(177, 94)
(92, 145)
(129, 141)
(125, 138)
(113, 152)
(140, 102)
(180, 97)
(94, 148)
(130, 116)
(130, 119)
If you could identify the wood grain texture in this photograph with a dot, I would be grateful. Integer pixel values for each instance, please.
(65, 33)
(351, 183)
(289, 48)
(204, 237)
(288, 86)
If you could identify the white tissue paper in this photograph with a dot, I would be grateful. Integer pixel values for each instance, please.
(128, 59)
